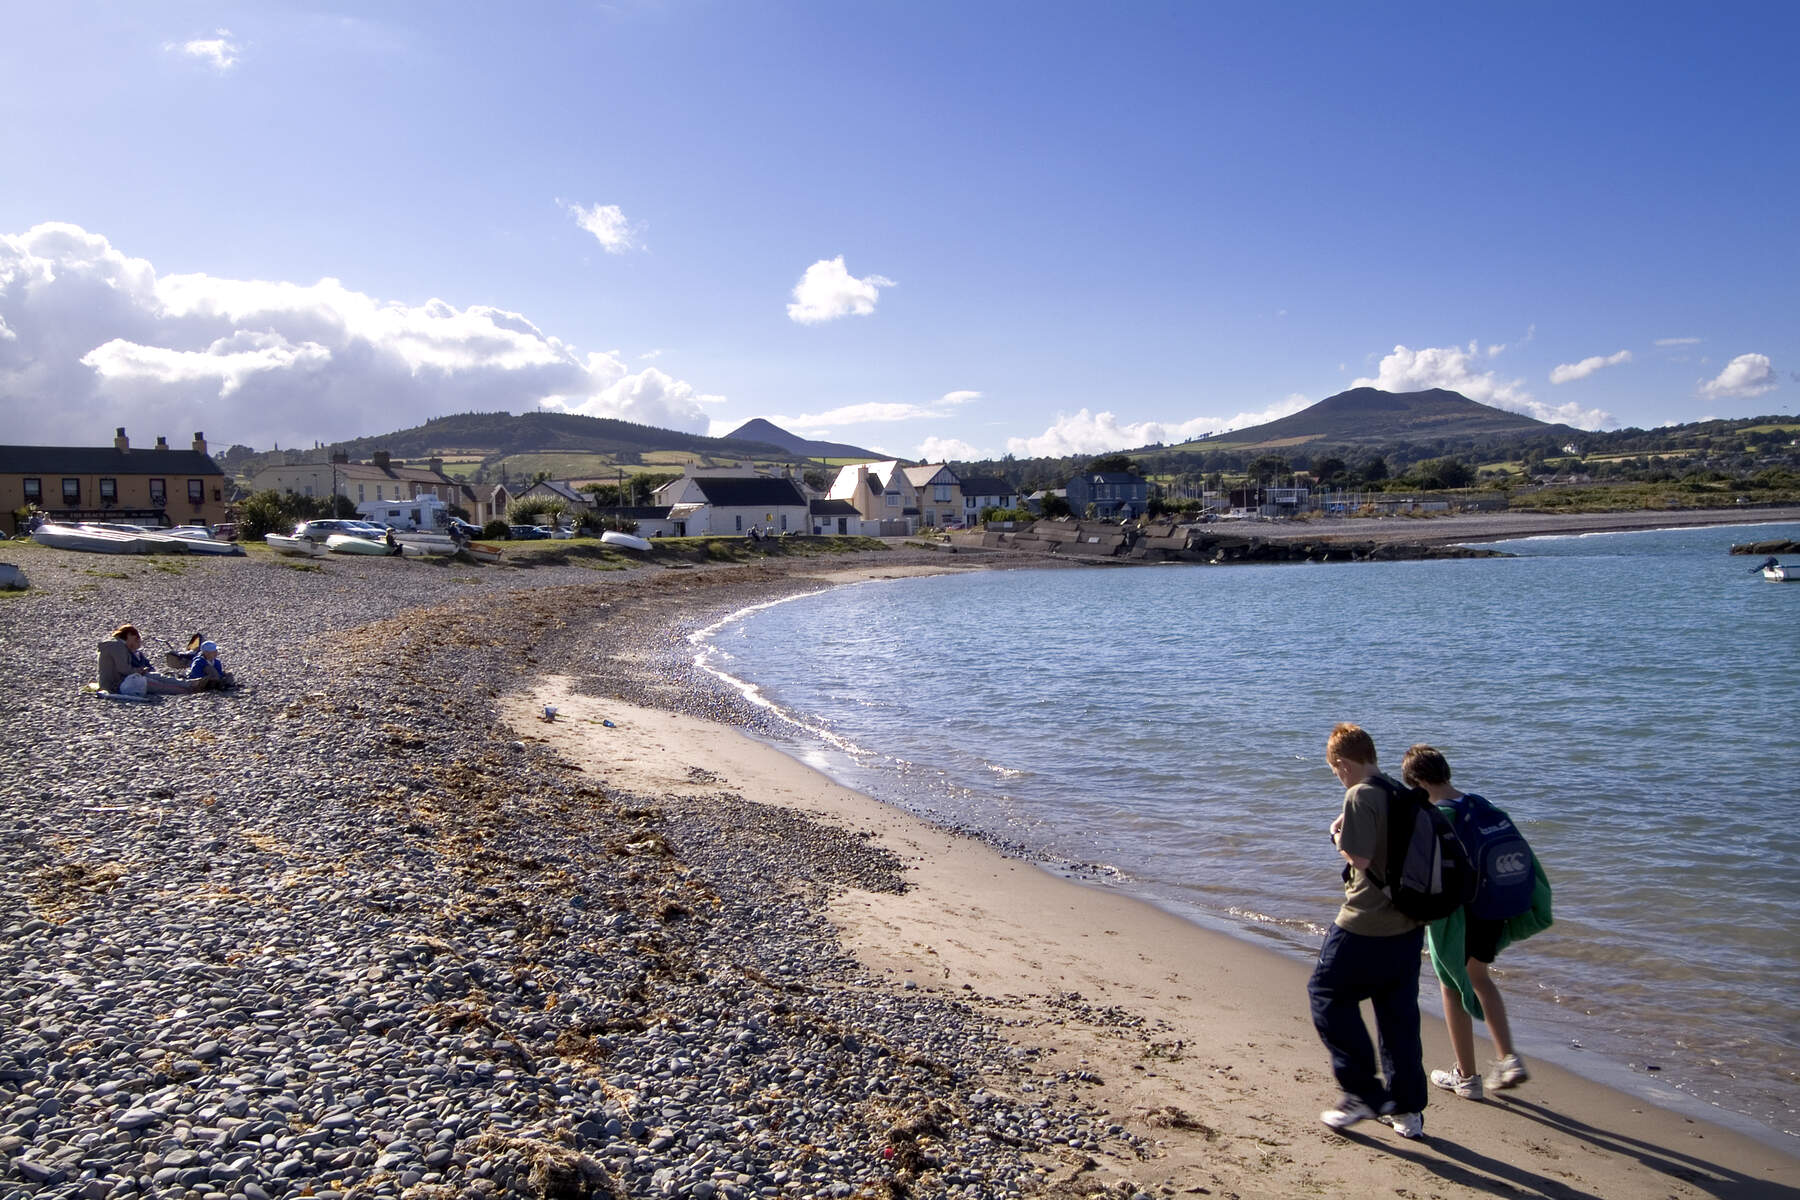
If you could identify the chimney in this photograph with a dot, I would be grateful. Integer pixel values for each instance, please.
(120, 443)
(381, 459)
(162, 443)
(341, 457)
(199, 442)
(436, 463)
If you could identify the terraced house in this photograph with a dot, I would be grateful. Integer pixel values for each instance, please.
(159, 486)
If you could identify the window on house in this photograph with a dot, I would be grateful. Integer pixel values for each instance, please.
(359, 494)
(196, 492)
(34, 491)
(941, 493)
(784, 522)
(893, 500)
(159, 492)
(71, 492)
(740, 522)
(109, 491)
(378, 495)
(309, 491)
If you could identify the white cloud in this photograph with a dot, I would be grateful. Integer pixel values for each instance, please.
(607, 223)
(959, 397)
(937, 449)
(100, 339)
(218, 52)
(827, 291)
(1745, 376)
(872, 412)
(1569, 372)
(1680, 341)
(647, 355)
(1453, 368)
(1097, 433)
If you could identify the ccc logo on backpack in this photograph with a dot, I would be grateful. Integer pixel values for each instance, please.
(1511, 864)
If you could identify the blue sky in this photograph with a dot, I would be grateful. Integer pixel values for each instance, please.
(933, 229)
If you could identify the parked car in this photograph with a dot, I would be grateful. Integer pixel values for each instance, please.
(463, 529)
(526, 533)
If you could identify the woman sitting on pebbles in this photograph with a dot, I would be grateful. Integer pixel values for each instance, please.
(125, 668)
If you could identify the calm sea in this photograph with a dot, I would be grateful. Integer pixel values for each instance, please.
(1632, 699)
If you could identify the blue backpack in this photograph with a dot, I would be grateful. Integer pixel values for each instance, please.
(1502, 858)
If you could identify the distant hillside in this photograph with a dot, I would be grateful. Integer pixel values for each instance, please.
(1369, 416)
(536, 432)
(763, 431)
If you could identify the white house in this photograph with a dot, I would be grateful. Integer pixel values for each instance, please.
(735, 504)
(981, 492)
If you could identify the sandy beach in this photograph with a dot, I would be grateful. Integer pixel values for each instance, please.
(389, 928)
(1196, 1041)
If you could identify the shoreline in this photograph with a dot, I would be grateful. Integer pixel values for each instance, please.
(566, 964)
(1459, 528)
(1113, 1001)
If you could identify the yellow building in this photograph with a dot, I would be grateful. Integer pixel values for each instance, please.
(158, 486)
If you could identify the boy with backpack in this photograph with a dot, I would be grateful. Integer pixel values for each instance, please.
(1511, 901)
(1371, 952)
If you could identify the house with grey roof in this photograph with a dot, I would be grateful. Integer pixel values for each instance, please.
(155, 486)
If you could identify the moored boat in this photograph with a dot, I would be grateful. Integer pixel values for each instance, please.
(196, 539)
(1782, 574)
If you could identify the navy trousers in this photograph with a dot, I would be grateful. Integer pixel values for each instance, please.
(1385, 970)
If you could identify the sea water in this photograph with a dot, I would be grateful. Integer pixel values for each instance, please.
(1632, 699)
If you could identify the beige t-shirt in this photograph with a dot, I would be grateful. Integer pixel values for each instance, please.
(1367, 909)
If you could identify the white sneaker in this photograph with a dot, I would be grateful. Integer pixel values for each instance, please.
(1349, 1111)
(1507, 1072)
(1407, 1125)
(1453, 1080)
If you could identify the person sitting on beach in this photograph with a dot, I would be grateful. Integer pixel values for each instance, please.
(125, 668)
(207, 667)
(1468, 989)
(1371, 953)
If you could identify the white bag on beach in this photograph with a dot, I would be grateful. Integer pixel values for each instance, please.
(133, 685)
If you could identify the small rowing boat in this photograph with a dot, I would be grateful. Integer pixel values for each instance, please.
(297, 547)
(1781, 574)
(627, 541)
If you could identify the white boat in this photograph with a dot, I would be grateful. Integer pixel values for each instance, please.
(482, 552)
(197, 539)
(93, 541)
(630, 541)
(344, 543)
(1782, 574)
(299, 547)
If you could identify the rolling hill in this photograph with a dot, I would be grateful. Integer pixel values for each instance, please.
(1369, 416)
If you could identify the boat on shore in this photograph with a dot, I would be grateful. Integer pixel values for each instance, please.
(348, 543)
(627, 541)
(89, 539)
(197, 539)
(294, 545)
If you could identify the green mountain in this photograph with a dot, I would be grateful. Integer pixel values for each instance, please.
(759, 430)
(545, 432)
(1369, 416)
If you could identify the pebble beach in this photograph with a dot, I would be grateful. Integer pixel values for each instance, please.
(369, 926)
(338, 934)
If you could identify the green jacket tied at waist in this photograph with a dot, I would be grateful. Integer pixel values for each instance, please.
(1449, 957)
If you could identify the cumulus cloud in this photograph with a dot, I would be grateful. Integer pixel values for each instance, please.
(220, 51)
(1455, 369)
(1569, 372)
(1745, 376)
(1678, 341)
(872, 413)
(828, 291)
(607, 223)
(1098, 433)
(937, 449)
(101, 339)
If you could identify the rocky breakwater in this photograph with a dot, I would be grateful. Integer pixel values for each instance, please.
(1773, 546)
(332, 935)
(1205, 544)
